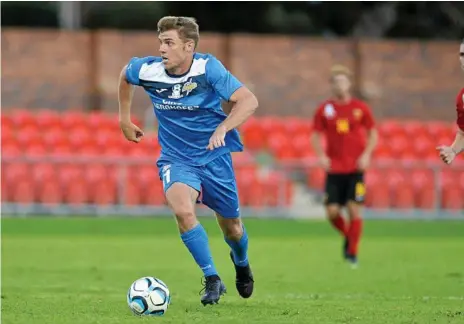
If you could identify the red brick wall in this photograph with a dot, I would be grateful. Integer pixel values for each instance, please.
(52, 69)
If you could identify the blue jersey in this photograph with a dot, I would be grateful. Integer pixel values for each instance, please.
(188, 106)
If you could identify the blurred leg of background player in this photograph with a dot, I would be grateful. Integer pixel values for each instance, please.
(346, 190)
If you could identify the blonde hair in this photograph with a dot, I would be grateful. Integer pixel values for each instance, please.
(187, 27)
(340, 69)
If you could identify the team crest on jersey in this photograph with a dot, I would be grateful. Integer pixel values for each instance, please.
(357, 113)
(179, 90)
(189, 86)
(176, 89)
(329, 111)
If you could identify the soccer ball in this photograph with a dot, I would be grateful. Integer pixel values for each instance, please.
(148, 296)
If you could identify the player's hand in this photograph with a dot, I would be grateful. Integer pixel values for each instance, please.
(364, 161)
(447, 154)
(217, 139)
(324, 161)
(131, 132)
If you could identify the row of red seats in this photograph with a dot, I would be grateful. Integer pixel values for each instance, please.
(98, 183)
(286, 138)
(403, 188)
(291, 128)
(111, 142)
(43, 119)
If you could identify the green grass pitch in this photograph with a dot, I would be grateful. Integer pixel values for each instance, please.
(77, 271)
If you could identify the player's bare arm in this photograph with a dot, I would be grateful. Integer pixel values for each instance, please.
(245, 104)
(449, 153)
(125, 95)
(365, 158)
(316, 140)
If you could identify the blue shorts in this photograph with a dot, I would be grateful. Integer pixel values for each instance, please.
(215, 181)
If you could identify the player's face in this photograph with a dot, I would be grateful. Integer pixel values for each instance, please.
(173, 50)
(461, 55)
(341, 84)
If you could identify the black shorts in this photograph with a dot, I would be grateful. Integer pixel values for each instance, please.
(341, 188)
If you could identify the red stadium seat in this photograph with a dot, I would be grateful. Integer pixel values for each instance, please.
(6, 121)
(70, 173)
(422, 146)
(437, 129)
(403, 196)
(301, 145)
(399, 144)
(453, 198)
(11, 150)
(297, 127)
(50, 192)
(415, 128)
(76, 193)
(132, 194)
(22, 118)
(154, 194)
(256, 192)
(6, 190)
(38, 149)
(421, 178)
(276, 142)
(378, 197)
(62, 150)
(448, 178)
(252, 134)
(47, 119)
(55, 136)
(29, 135)
(96, 173)
(382, 151)
(115, 151)
(108, 139)
(426, 197)
(16, 171)
(102, 121)
(89, 150)
(395, 177)
(74, 119)
(316, 178)
(43, 173)
(103, 193)
(272, 124)
(80, 137)
(389, 128)
(8, 135)
(23, 191)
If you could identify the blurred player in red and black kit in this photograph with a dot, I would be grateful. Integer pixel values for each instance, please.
(349, 128)
(448, 153)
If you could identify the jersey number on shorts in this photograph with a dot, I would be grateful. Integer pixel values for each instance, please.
(166, 177)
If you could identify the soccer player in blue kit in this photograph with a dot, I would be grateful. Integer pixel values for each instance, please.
(196, 139)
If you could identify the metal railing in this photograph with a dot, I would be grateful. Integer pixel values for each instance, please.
(272, 190)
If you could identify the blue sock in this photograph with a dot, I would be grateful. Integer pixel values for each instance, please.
(196, 240)
(240, 249)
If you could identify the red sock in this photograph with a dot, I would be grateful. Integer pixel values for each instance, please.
(354, 235)
(339, 224)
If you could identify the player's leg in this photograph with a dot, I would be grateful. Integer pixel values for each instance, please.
(236, 237)
(335, 199)
(182, 186)
(221, 195)
(355, 201)
(333, 202)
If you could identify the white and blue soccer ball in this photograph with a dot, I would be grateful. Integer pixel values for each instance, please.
(148, 296)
